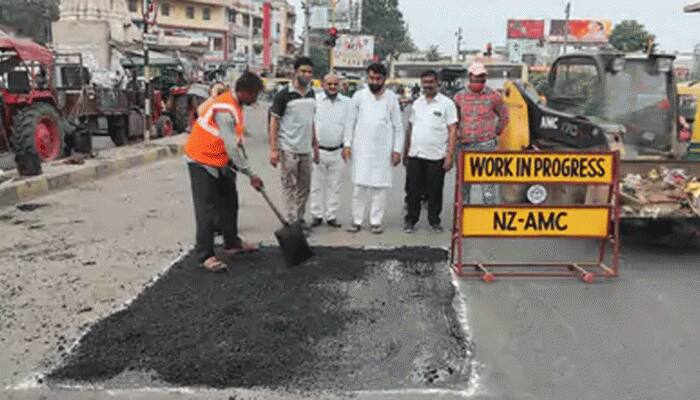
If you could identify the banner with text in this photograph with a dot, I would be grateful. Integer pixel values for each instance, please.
(536, 221)
(353, 51)
(517, 167)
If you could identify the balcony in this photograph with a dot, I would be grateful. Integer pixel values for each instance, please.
(238, 30)
(222, 3)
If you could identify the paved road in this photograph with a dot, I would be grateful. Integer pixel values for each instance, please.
(94, 247)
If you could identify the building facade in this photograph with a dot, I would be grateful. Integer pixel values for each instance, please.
(227, 30)
(200, 23)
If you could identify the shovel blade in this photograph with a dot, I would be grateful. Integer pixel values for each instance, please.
(293, 244)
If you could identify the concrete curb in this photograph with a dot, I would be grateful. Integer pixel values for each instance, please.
(33, 187)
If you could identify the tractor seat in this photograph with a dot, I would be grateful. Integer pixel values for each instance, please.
(18, 82)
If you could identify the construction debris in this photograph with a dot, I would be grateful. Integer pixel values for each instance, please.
(661, 193)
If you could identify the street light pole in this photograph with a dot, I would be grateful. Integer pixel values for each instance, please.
(148, 8)
(459, 43)
(251, 52)
(331, 60)
(567, 12)
(307, 27)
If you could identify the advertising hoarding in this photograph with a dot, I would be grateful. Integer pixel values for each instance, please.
(525, 29)
(353, 51)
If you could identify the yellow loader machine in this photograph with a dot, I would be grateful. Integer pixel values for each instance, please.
(611, 101)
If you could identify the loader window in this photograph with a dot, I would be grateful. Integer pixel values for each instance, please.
(576, 88)
(639, 98)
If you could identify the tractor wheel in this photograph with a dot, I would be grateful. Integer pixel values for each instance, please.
(181, 114)
(77, 136)
(136, 124)
(117, 130)
(164, 126)
(36, 137)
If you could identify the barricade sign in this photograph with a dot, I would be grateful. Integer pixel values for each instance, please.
(534, 171)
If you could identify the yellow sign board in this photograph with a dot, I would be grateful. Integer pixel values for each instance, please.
(517, 167)
(564, 222)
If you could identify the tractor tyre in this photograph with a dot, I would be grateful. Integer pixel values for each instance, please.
(164, 127)
(137, 124)
(36, 137)
(78, 137)
(181, 114)
(118, 132)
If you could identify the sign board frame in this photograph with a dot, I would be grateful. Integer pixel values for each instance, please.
(526, 221)
(353, 51)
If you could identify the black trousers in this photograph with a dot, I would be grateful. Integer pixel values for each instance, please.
(424, 178)
(215, 205)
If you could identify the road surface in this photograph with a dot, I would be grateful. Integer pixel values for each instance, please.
(90, 249)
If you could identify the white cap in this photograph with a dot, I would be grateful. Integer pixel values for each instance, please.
(477, 68)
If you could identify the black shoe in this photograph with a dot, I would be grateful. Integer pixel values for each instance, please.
(334, 224)
(316, 222)
(409, 228)
(436, 228)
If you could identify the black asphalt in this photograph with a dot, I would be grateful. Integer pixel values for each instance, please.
(350, 319)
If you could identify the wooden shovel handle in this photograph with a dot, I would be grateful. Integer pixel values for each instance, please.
(272, 206)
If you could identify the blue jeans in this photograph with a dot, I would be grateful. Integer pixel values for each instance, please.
(486, 193)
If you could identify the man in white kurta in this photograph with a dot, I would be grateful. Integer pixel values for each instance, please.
(374, 140)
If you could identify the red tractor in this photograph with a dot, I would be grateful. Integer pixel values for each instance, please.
(30, 121)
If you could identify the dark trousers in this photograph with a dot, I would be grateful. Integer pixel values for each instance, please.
(424, 178)
(215, 206)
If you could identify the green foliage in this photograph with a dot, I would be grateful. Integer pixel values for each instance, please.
(540, 81)
(320, 57)
(630, 36)
(31, 18)
(433, 53)
(384, 20)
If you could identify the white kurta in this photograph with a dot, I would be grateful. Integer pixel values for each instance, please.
(374, 131)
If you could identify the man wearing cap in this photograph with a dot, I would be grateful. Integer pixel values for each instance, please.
(483, 117)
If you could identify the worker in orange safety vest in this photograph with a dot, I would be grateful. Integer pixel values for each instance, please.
(213, 150)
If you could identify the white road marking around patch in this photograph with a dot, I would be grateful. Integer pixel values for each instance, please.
(32, 381)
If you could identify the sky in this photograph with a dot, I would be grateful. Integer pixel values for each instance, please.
(436, 21)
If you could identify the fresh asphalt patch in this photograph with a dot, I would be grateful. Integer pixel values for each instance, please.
(350, 319)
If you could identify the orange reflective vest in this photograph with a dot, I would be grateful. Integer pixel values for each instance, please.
(205, 144)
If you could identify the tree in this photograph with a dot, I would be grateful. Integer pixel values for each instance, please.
(630, 36)
(320, 57)
(384, 20)
(31, 18)
(433, 53)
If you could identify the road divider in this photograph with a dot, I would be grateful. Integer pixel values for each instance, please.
(60, 175)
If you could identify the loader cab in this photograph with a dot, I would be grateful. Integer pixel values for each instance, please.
(635, 93)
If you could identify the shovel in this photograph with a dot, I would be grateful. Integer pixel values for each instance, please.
(290, 237)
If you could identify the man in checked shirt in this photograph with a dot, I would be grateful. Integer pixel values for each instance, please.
(482, 118)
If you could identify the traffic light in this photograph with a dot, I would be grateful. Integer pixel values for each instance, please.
(149, 11)
(332, 37)
(489, 50)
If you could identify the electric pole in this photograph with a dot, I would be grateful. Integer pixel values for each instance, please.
(251, 51)
(307, 27)
(459, 43)
(567, 12)
(331, 60)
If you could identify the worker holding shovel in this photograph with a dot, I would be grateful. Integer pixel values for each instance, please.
(213, 148)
